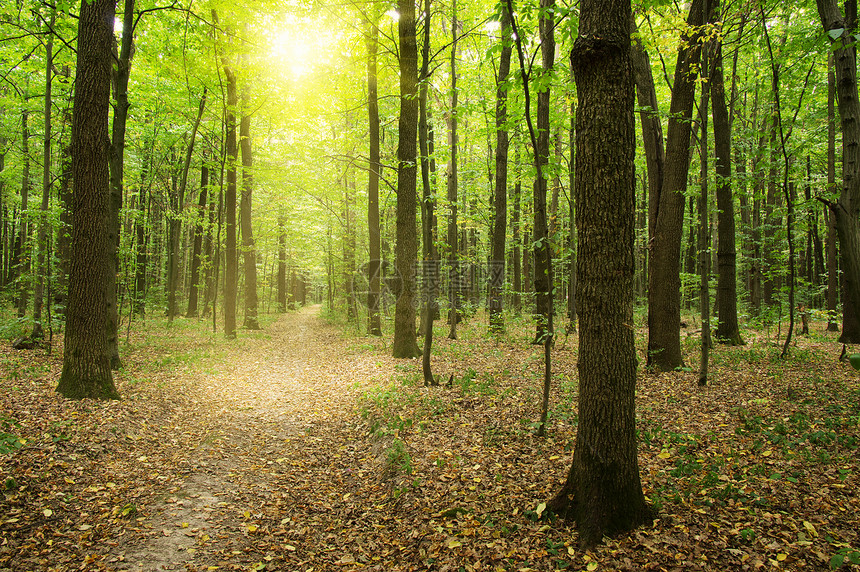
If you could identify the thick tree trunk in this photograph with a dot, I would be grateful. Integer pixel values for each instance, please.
(847, 207)
(405, 345)
(86, 356)
(543, 275)
(664, 284)
(500, 204)
(727, 330)
(604, 481)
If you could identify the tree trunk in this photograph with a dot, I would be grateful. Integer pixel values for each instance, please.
(845, 209)
(664, 284)
(500, 205)
(543, 275)
(455, 266)
(405, 345)
(832, 273)
(42, 262)
(603, 480)
(122, 71)
(282, 264)
(248, 250)
(703, 239)
(515, 239)
(727, 331)
(86, 356)
(231, 272)
(197, 249)
(374, 268)
(20, 257)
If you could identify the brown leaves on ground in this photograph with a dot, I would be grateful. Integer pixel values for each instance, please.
(301, 448)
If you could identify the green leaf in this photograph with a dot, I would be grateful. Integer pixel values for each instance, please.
(836, 560)
(835, 33)
(854, 359)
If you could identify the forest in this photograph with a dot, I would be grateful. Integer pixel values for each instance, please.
(454, 285)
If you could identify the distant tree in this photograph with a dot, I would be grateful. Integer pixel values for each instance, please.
(86, 356)
(249, 252)
(603, 492)
(374, 268)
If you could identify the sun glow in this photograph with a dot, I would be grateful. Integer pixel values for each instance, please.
(292, 52)
(301, 46)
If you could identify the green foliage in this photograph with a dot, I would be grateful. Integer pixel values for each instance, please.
(843, 557)
(397, 459)
(9, 441)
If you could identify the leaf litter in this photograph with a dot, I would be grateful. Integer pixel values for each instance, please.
(301, 448)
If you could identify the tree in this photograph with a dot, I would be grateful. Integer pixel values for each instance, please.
(405, 345)
(500, 220)
(248, 250)
(846, 209)
(86, 355)
(455, 269)
(231, 273)
(664, 282)
(727, 331)
(374, 267)
(42, 264)
(603, 492)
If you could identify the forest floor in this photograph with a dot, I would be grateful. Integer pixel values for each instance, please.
(306, 447)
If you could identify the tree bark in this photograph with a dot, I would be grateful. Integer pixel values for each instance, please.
(603, 480)
(832, 273)
(664, 284)
(405, 345)
(121, 75)
(42, 263)
(455, 268)
(846, 208)
(543, 272)
(500, 205)
(249, 252)
(197, 249)
(86, 357)
(231, 271)
(727, 331)
(374, 268)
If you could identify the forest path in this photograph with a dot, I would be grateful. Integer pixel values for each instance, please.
(255, 409)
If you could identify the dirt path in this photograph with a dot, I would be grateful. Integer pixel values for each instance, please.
(260, 403)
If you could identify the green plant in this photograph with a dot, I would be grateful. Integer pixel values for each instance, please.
(9, 441)
(843, 556)
(397, 459)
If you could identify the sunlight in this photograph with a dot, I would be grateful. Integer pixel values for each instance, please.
(300, 46)
(292, 52)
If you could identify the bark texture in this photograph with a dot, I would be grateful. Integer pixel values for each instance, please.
(405, 344)
(86, 355)
(603, 492)
(664, 282)
(727, 331)
(500, 199)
